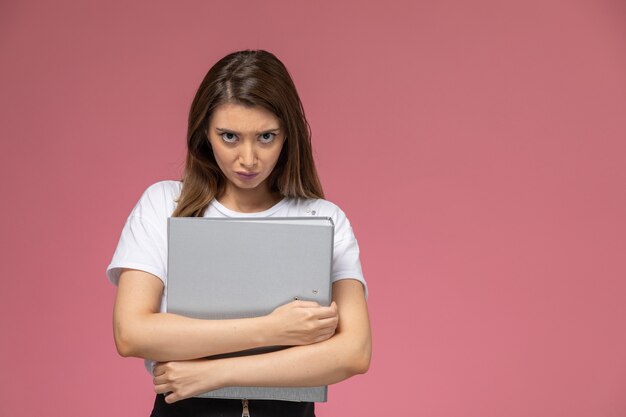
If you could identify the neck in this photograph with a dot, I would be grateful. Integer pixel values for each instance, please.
(248, 201)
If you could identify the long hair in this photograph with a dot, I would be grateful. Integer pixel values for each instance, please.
(249, 78)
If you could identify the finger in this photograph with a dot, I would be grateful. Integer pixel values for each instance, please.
(158, 380)
(304, 303)
(323, 336)
(325, 312)
(158, 369)
(330, 326)
(161, 388)
(329, 323)
(333, 306)
(171, 398)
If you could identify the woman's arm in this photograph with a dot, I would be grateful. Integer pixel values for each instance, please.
(345, 354)
(141, 331)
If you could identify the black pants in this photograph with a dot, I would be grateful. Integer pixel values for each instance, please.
(210, 407)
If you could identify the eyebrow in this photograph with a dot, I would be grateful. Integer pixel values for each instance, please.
(223, 130)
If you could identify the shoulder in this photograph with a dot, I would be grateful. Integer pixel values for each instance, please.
(319, 208)
(312, 207)
(159, 199)
(164, 190)
(326, 208)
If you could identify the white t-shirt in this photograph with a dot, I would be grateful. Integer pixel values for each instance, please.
(143, 243)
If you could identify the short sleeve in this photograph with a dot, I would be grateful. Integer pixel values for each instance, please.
(346, 254)
(143, 241)
(141, 247)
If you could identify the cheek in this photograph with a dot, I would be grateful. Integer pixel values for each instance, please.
(221, 155)
(271, 157)
(278, 151)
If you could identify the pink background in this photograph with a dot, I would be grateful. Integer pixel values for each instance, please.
(477, 147)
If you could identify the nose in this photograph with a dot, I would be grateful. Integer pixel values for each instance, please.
(247, 156)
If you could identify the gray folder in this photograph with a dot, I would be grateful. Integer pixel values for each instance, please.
(221, 268)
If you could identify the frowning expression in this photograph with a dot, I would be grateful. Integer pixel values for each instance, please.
(246, 142)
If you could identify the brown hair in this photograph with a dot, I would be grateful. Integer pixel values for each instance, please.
(250, 78)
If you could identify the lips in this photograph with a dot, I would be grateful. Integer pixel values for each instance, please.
(247, 175)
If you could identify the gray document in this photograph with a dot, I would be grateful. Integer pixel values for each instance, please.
(223, 268)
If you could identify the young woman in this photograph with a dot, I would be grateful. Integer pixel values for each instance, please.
(249, 154)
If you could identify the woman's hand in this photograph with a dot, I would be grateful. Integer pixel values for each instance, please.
(141, 330)
(183, 379)
(302, 323)
(343, 355)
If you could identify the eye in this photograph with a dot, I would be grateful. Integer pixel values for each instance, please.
(267, 137)
(229, 137)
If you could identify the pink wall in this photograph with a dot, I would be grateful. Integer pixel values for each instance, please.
(477, 147)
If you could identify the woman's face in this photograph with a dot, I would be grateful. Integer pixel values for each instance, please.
(246, 142)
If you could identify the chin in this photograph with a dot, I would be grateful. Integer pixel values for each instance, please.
(246, 185)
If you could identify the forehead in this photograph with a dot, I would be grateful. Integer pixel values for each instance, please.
(240, 118)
